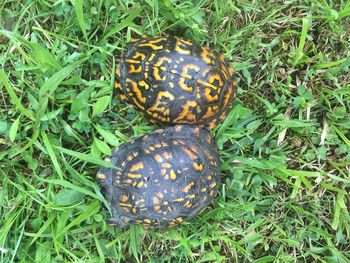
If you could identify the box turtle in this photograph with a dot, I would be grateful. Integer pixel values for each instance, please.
(165, 177)
(175, 81)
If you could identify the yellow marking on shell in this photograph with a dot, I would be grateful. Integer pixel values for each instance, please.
(198, 94)
(137, 92)
(152, 56)
(186, 42)
(212, 185)
(172, 175)
(231, 70)
(158, 145)
(126, 209)
(171, 84)
(198, 167)
(206, 84)
(125, 205)
(144, 84)
(122, 97)
(140, 184)
(187, 187)
(133, 69)
(138, 54)
(179, 199)
(161, 61)
(155, 200)
(209, 113)
(157, 106)
(163, 172)
(151, 148)
(130, 175)
(167, 155)
(209, 97)
(134, 183)
(179, 49)
(226, 98)
(158, 158)
(166, 177)
(186, 114)
(187, 204)
(157, 76)
(211, 193)
(134, 210)
(117, 71)
(151, 44)
(203, 190)
(166, 165)
(192, 196)
(157, 208)
(165, 203)
(133, 40)
(160, 195)
(209, 177)
(207, 56)
(172, 223)
(132, 61)
(127, 181)
(187, 67)
(136, 167)
(190, 153)
(207, 154)
(183, 86)
(154, 47)
(117, 85)
(147, 221)
(140, 201)
(146, 151)
(179, 219)
(101, 176)
(222, 58)
(124, 198)
(216, 76)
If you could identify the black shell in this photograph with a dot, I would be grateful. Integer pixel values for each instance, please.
(166, 177)
(176, 81)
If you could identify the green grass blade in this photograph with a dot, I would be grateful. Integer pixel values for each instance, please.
(86, 158)
(16, 101)
(51, 154)
(14, 129)
(300, 52)
(78, 5)
(54, 81)
(91, 210)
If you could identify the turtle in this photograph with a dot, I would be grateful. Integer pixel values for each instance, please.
(176, 81)
(162, 178)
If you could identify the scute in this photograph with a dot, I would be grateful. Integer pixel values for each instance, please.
(161, 178)
(182, 68)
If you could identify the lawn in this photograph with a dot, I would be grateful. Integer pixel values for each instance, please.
(284, 148)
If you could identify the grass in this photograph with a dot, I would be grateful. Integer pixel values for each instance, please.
(285, 147)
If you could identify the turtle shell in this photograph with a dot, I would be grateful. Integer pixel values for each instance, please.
(165, 177)
(175, 81)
